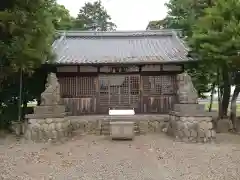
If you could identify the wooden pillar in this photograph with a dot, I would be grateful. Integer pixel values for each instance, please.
(141, 90)
(141, 95)
(97, 95)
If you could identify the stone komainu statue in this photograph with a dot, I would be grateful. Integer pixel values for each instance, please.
(187, 94)
(51, 95)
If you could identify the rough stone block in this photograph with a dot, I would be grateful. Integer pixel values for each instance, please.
(122, 130)
(210, 125)
(143, 127)
(193, 133)
(189, 108)
(201, 133)
(53, 109)
(59, 126)
(52, 126)
(223, 125)
(55, 134)
(209, 134)
(213, 133)
(186, 132)
(45, 127)
(203, 125)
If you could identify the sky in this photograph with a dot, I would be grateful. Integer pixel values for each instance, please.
(126, 14)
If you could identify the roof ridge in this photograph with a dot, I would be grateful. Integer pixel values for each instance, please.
(181, 42)
(76, 33)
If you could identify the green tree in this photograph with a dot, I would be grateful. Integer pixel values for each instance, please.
(93, 16)
(158, 24)
(26, 35)
(216, 41)
(61, 17)
(182, 14)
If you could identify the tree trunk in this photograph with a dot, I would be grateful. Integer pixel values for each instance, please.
(225, 101)
(211, 99)
(219, 93)
(24, 108)
(226, 93)
(234, 106)
(219, 103)
(38, 102)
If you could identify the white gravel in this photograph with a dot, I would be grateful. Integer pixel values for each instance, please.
(151, 157)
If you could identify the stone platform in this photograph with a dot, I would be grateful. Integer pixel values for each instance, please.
(100, 124)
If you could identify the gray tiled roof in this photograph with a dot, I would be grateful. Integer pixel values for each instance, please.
(87, 47)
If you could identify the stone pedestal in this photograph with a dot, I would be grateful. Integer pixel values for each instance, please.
(48, 121)
(48, 128)
(122, 130)
(188, 121)
(195, 126)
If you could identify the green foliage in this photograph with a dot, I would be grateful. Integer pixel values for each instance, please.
(216, 36)
(26, 31)
(182, 14)
(61, 17)
(212, 31)
(93, 16)
(26, 35)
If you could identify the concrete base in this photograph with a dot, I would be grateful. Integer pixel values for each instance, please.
(122, 130)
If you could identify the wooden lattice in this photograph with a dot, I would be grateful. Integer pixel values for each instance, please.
(159, 85)
(159, 93)
(77, 86)
(119, 91)
(148, 94)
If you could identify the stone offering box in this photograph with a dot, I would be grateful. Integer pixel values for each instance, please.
(121, 124)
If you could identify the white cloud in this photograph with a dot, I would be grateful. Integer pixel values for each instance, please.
(126, 14)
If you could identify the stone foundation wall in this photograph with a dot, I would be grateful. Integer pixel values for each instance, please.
(191, 128)
(100, 125)
(48, 128)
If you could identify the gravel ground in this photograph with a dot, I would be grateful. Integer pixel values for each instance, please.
(151, 157)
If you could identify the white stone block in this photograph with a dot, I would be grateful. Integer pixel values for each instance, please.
(113, 112)
(122, 130)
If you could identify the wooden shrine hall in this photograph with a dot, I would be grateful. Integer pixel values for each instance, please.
(120, 69)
